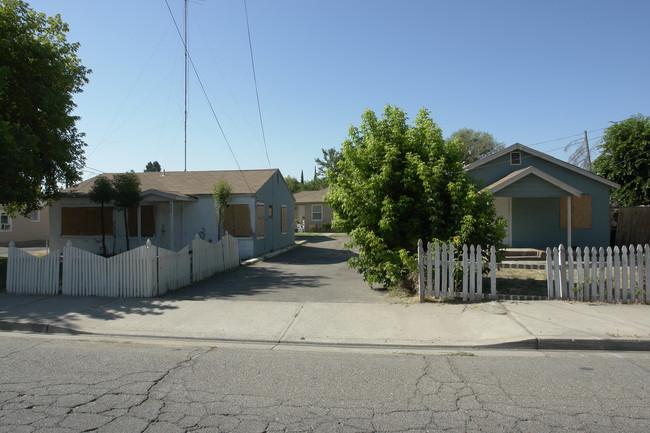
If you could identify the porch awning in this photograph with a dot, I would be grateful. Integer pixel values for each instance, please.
(531, 182)
(157, 195)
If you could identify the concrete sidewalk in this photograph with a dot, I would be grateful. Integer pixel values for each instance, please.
(510, 324)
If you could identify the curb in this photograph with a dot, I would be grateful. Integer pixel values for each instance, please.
(559, 344)
(267, 256)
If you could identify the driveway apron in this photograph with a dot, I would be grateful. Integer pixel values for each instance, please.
(314, 272)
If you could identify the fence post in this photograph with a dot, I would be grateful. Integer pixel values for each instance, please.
(639, 261)
(493, 272)
(421, 284)
(436, 274)
(429, 269)
(617, 274)
(549, 273)
(11, 264)
(594, 273)
(647, 273)
(632, 264)
(624, 272)
(562, 257)
(479, 272)
(608, 273)
(450, 265)
(464, 267)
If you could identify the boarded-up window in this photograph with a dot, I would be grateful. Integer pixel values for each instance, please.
(237, 220)
(147, 221)
(285, 221)
(86, 221)
(580, 212)
(260, 226)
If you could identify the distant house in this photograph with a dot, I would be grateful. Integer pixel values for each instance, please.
(19, 229)
(175, 207)
(313, 210)
(545, 201)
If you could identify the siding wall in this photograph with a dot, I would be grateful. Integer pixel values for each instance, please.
(24, 230)
(276, 193)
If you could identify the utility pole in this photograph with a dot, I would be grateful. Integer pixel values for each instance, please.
(185, 43)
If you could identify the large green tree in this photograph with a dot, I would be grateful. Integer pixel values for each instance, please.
(475, 144)
(397, 183)
(152, 167)
(39, 74)
(625, 159)
(127, 196)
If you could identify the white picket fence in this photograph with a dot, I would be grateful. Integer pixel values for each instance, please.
(31, 275)
(605, 275)
(208, 259)
(146, 271)
(440, 270)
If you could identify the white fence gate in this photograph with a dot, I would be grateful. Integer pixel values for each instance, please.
(439, 270)
(605, 275)
(32, 275)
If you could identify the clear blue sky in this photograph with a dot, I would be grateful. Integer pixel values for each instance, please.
(524, 71)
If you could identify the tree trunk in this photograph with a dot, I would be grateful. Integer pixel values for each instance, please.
(103, 232)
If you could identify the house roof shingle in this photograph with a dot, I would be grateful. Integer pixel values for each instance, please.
(310, 196)
(187, 182)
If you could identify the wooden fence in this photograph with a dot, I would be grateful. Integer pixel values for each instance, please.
(443, 275)
(208, 259)
(32, 275)
(605, 275)
(146, 271)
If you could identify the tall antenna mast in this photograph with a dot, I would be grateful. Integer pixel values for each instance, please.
(187, 70)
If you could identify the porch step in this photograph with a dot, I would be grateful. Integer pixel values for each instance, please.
(526, 254)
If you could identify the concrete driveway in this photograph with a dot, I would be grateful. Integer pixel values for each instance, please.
(314, 272)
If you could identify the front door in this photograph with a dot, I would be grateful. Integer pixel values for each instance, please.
(503, 207)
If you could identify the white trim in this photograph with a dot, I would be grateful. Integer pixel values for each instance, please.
(512, 157)
(520, 174)
(8, 224)
(549, 158)
(321, 212)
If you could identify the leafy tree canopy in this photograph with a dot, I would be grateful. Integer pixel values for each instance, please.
(39, 74)
(625, 159)
(327, 167)
(310, 185)
(475, 144)
(152, 167)
(397, 183)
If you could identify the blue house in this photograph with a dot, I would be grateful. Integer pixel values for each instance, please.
(545, 201)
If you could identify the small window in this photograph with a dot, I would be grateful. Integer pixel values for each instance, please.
(270, 211)
(35, 216)
(5, 222)
(317, 212)
(515, 158)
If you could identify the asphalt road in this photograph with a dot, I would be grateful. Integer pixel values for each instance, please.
(57, 384)
(314, 272)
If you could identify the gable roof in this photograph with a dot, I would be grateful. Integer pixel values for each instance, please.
(531, 171)
(310, 196)
(541, 155)
(186, 183)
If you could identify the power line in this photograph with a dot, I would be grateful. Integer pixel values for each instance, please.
(214, 114)
(257, 95)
